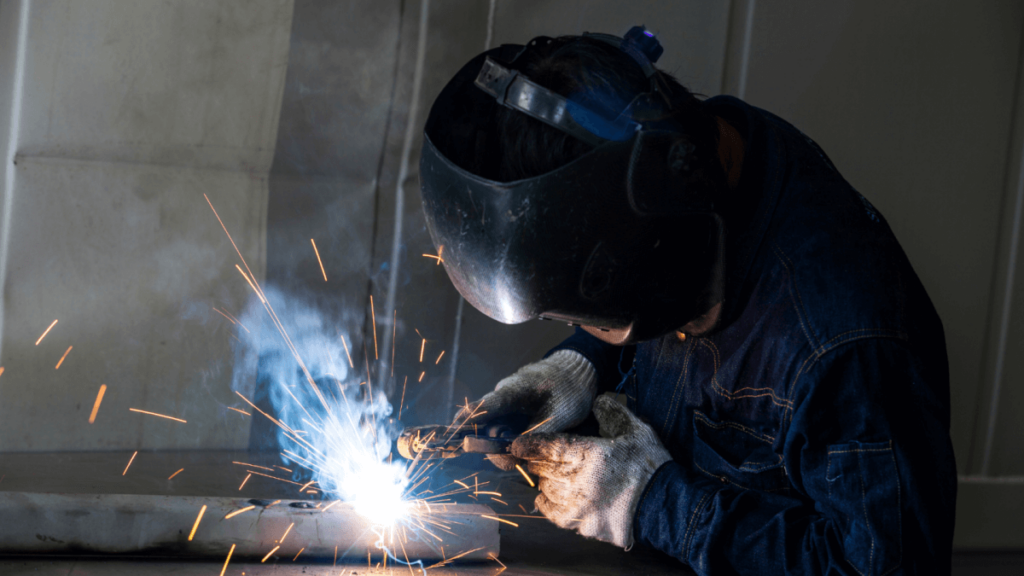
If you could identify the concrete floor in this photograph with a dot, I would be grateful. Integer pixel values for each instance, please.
(535, 548)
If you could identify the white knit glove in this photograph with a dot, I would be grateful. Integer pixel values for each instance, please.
(557, 392)
(594, 484)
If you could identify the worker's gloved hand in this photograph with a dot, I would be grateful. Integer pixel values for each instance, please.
(590, 484)
(557, 392)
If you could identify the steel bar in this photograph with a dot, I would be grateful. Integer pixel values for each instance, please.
(36, 523)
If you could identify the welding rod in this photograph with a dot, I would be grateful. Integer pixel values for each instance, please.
(36, 523)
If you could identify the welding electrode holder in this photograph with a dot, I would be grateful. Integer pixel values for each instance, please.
(494, 437)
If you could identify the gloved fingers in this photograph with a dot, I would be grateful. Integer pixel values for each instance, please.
(562, 471)
(614, 419)
(490, 405)
(560, 515)
(560, 492)
(503, 461)
(551, 447)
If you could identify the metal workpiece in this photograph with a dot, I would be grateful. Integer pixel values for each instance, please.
(38, 523)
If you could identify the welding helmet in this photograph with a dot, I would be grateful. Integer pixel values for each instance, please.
(622, 240)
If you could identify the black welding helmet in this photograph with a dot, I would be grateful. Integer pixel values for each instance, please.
(619, 240)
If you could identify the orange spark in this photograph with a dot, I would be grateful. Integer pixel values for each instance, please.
(224, 315)
(155, 414)
(500, 501)
(252, 465)
(132, 459)
(249, 475)
(222, 570)
(96, 405)
(351, 365)
(532, 428)
(438, 256)
(439, 358)
(466, 486)
(306, 485)
(175, 474)
(196, 525)
(499, 520)
(317, 252)
(495, 558)
(422, 374)
(239, 511)
(297, 555)
(525, 475)
(1, 370)
(239, 410)
(265, 558)
(400, 404)
(329, 505)
(251, 285)
(46, 332)
(285, 535)
(231, 317)
(423, 346)
(63, 357)
(373, 316)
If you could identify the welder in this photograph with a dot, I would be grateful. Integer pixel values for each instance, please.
(783, 374)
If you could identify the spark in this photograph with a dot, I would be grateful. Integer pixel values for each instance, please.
(196, 525)
(487, 493)
(495, 558)
(96, 405)
(155, 414)
(1, 370)
(423, 346)
(63, 357)
(283, 468)
(233, 319)
(499, 501)
(329, 505)
(534, 427)
(251, 285)
(274, 502)
(46, 332)
(449, 560)
(285, 535)
(252, 465)
(269, 554)
(525, 475)
(439, 358)
(240, 411)
(249, 475)
(228, 559)
(466, 486)
(175, 474)
(132, 459)
(422, 374)
(499, 520)
(400, 404)
(317, 252)
(437, 256)
(351, 365)
(306, 485)
(373, 317)
(225, 316)
(297, 555)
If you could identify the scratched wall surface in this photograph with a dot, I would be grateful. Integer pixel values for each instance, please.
(130, 113)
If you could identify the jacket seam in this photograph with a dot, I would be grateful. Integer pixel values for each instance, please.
(798, 303)
(734, 395)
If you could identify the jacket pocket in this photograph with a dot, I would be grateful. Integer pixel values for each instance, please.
(864, 492)
(733, 453)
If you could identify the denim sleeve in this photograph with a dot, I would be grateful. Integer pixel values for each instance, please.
(611, 363)
(869, 458)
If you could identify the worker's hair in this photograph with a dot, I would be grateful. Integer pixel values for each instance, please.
(606, 80)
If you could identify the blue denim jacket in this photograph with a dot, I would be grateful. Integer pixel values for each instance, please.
(810, 431)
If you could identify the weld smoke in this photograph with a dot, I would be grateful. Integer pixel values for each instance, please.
(341, 429)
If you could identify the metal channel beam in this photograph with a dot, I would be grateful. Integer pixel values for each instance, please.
(35, 523)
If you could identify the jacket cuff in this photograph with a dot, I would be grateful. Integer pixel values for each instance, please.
(671, 509)
(605, 358)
